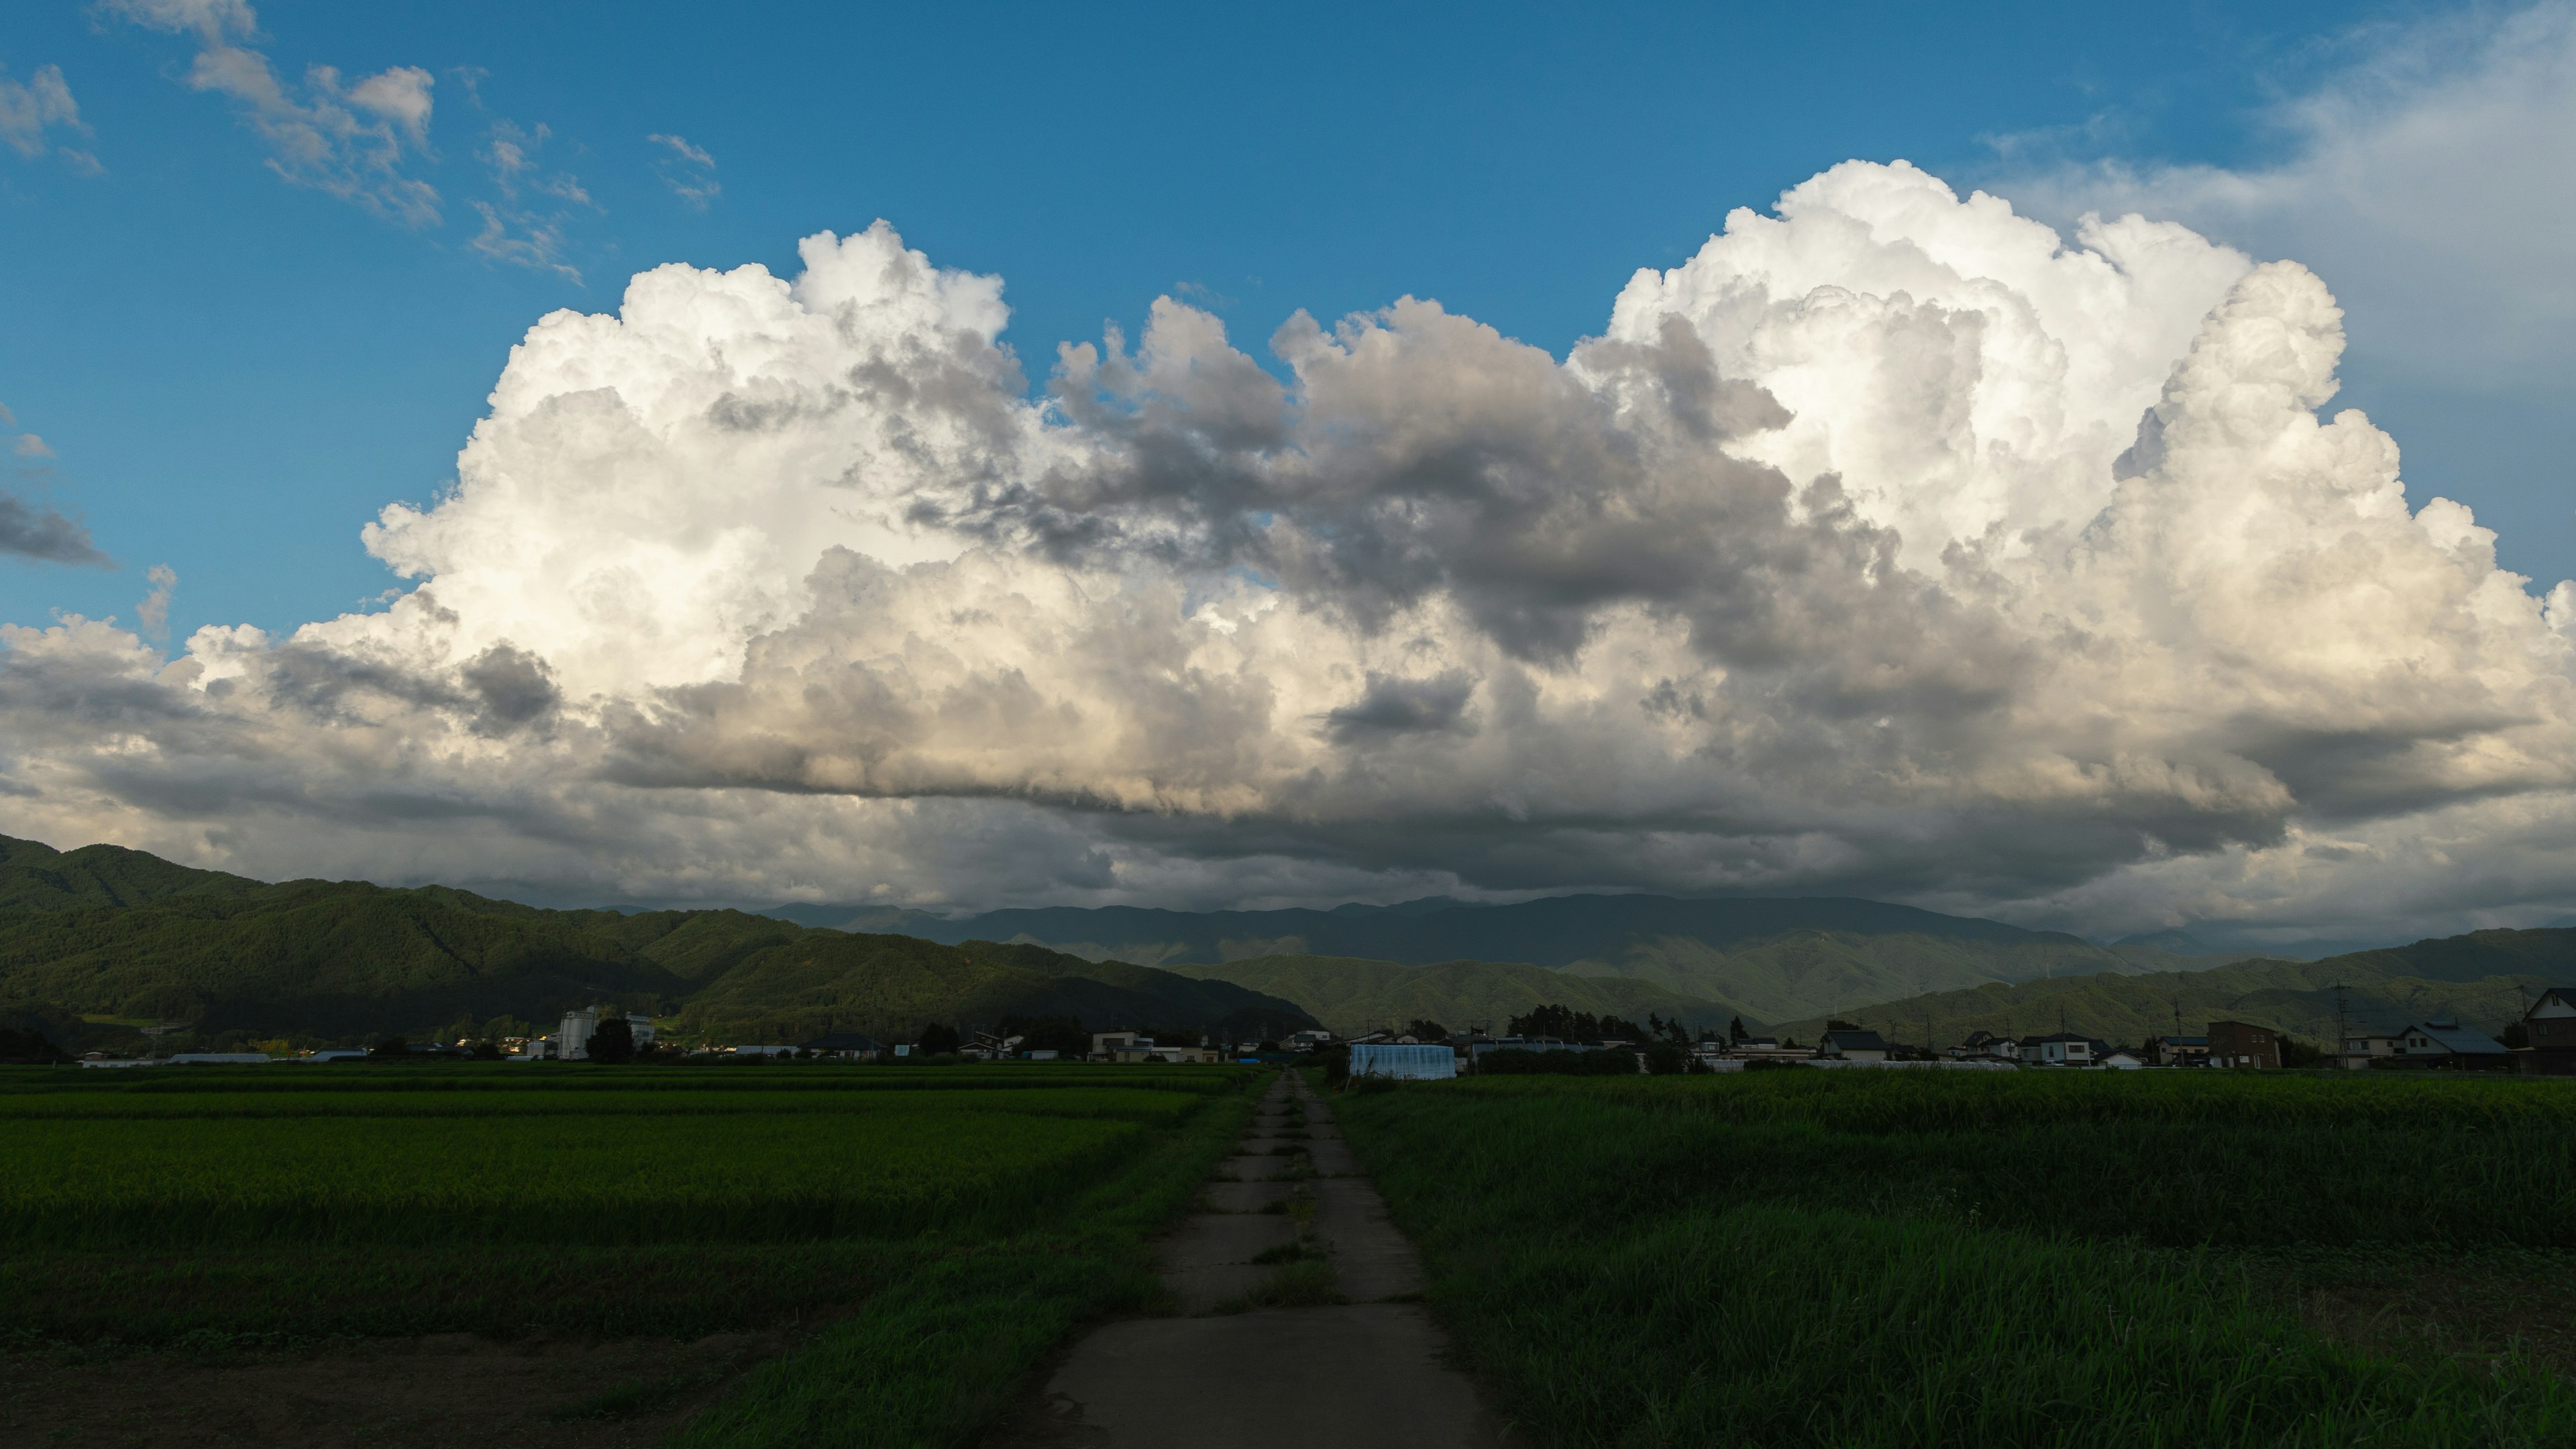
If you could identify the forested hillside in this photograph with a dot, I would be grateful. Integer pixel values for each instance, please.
(117, 935)
(1771, 959)
(2484, 979)
(1354, 996)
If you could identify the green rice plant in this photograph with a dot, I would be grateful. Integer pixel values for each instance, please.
(1934, 1100)
(307, 1293)
(1133, 1104)
(1767, 1325)
(1654, 1263)
(932, 1359)
(1928, 1144)
(535, 1178)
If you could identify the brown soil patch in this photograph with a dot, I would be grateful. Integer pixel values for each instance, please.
(384, 1394)
(2451, 1313)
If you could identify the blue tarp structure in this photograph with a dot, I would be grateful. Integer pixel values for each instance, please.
(1403, 1063)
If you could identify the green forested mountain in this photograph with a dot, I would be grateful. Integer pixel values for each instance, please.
(108, 933)
(2483, 979)
(1770, 959)
(886, 985)
(1807, 973)
(36, 877)
(1351, 995)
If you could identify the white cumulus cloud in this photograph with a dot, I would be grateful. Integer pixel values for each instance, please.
(2426, 176)
(1894, 544)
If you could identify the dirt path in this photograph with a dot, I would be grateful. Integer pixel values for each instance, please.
(1295, 1322)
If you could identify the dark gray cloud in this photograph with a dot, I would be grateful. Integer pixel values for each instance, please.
(29, 532)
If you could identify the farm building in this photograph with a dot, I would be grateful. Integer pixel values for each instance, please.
(1403, 1063)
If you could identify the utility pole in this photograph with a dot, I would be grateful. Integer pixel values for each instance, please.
(2340, 1039)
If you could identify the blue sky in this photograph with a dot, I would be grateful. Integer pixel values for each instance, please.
(233, 373)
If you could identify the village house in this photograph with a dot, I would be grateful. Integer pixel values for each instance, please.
(2361, 1049)
(1985, 1046)
(2448, 1046)
(1107, 1044)
(1851, 1046)
(2179, 1051)
(2243, 1044)
(2058, 1049)
(2549, 1032)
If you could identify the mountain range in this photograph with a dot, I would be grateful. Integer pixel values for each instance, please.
(2485, 979)
(1763, 959)
(103, 935)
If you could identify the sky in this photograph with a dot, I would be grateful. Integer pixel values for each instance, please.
(262, 272)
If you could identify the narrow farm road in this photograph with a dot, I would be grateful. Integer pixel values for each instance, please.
(1295, 1322)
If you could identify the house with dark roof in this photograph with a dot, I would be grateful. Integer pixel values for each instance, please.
(2448, 1046)
(2179, 1051)
(1983, 1045)
(1851, 1046)
(2549, 1033)
(2057, 1049)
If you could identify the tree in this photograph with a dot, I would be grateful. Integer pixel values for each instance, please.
(1665, 1059)
(1735, 1032)
(1567, 1024)
(1422, 1028)
(1062, 1035)
(28, 1048)
(392, 1048)
(613, 1041)
(2297, 1053)
(937, 1041)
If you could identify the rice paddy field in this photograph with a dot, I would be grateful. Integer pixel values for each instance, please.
(907, 1241)
(1917, 1258)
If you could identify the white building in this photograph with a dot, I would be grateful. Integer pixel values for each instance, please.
(2058, 1049)
(572, 1039)
(1403, 1062)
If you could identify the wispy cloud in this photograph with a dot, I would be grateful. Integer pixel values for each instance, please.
(31, 446)
(518, 227)
(154, 609)
(42, 103)
(690, 171)
(349, 139)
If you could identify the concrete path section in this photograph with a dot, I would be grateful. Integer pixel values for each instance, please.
(1362, 1367)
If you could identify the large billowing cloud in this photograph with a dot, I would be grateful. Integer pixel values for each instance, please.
(1894, 544)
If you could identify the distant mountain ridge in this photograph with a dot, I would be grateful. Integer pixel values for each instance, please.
(1353, 996)
(2484, 979)
(104, 931)
(1768, 959)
